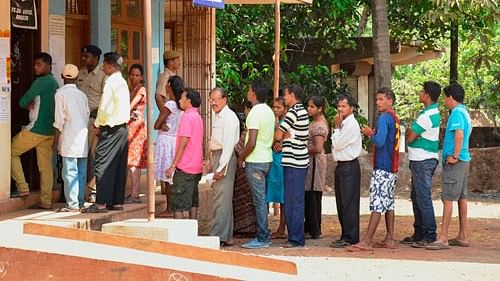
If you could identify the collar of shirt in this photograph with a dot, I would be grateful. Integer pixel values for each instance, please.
(191, 109)
(223, 111)
(349, 118)
(65, 86)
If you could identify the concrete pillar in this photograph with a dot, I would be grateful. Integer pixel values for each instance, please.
(5, 101)
(362, 70)
(101, 24)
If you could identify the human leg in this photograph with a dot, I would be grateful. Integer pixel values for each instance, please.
(424, 170)
(223, 204)
(350, 191)
(44, 159)
(294, 206)
(256, 175)
(418, 231)
(93, 139)
(21, 143)
(82, 177)
(71, 181)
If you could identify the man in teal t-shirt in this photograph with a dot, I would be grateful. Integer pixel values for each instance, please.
(39, 133)
(456, 159)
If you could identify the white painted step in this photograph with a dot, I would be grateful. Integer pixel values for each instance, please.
(181, 231)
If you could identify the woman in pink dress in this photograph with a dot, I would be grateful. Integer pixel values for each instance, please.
(137, 142)
(167, 124)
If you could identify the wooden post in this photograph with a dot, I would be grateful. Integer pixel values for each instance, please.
(277, 34)
(150, 104)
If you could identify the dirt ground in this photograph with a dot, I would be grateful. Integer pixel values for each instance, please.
(484, 235)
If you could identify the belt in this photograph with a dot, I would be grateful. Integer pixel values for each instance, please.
(106, 127)
(355, 159)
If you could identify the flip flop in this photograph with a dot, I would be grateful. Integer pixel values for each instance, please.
(358, 248)
(383, 244)
(94, 209)
(437, 246)
(458, 243)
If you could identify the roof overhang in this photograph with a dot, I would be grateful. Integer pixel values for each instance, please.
(261, 2)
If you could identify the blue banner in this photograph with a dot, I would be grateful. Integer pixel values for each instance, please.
(218, 4)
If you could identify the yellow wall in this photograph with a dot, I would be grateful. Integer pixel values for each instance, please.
(5, 127)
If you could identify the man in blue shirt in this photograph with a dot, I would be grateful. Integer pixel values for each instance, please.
(456, 159)
(383, 182)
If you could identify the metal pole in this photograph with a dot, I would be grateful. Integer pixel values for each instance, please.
(150, 104)
(277, 32)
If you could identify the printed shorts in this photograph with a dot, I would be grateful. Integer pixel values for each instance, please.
(382, 189)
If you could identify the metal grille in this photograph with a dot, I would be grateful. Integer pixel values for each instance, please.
(77, 7)
(190, 31)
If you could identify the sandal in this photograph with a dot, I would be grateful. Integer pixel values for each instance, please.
(384, 244)
(115, 208)
(340, 244)
(66, 210)
(437, 246)
(359, 248)
(132, 200)
(94, 209)
(458, 243)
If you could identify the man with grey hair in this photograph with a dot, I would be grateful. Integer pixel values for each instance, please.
(225, 136)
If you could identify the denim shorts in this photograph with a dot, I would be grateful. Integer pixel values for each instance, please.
(185, 191)
(455, 178)
(382, 189)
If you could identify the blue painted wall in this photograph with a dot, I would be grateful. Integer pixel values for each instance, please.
(100, 24)
(158, 19)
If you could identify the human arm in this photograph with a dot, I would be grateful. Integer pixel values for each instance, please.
(459, 137)
(378, 137)
(30, 95)
(230, 137)
(59, 120)
(249, 146)
(411, 135)
(164, 113)
(283, 130)
(55, 145)
(106, 107)
(182, 142)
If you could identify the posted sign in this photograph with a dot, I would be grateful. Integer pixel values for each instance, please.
(218, 4)
(23, 14)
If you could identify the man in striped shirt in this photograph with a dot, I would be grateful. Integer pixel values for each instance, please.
(295, 161)
(423, 142)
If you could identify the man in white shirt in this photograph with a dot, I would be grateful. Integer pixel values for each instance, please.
(111, 151)
(225, 136)
(346, 147)
(70, 141)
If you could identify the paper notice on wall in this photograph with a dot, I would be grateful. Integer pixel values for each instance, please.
(3, 69)
(4, 103)
(57, 45)
(155, 56)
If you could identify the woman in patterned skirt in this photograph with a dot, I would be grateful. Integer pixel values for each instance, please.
(316, 174)
(137, 143)
(167, 124)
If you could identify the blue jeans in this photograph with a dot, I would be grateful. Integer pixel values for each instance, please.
(295, 182)
(74, 174)
(256, 175)
(421, 198)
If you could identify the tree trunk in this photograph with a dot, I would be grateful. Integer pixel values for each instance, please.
(454, 52)
(381, 48)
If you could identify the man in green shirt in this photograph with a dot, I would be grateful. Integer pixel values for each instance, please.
(39, 133)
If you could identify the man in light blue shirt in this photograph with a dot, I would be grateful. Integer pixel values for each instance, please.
(456, 159)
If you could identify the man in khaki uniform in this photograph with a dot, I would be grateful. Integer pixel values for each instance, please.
(172, 62)
(91, 82)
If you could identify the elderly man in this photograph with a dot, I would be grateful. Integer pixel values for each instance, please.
(225, 136)
(91, 82)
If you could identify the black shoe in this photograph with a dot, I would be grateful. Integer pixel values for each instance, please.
(409, 240)
(338, 244)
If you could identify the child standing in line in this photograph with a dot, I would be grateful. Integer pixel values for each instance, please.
(275, 185)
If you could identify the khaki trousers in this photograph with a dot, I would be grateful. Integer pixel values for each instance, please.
(23, 142)
(93, 139)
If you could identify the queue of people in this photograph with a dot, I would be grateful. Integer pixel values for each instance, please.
(95, 121)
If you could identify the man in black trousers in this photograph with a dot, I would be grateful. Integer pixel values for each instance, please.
(346, 147)
(112, 148)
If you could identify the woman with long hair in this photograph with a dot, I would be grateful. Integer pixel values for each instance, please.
(137, 141)
(316, 173)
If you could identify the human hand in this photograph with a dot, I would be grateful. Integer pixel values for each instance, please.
(451, 160)
(367, 131)
(170, 171)
(31, 106)
(218, 175)
(277, 146)
(338, 120)
(164, 127)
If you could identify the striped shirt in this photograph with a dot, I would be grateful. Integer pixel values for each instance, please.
(427, 127)
(295, 152)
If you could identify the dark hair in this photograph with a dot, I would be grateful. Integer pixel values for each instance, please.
(433, 89)
(138, 67)
(113, 58)
(261, 90)
(388, 93)
(220, 90)
(280, 100)
(350, 100)
(456, 91)
(45, 57)
(193, 96)
(177, 85)
(248, 104)
(296, 90)
(318, 101)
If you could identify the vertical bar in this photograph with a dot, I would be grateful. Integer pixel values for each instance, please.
(277, 32)
(150, 104)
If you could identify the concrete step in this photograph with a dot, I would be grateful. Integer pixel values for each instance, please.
(181, 231)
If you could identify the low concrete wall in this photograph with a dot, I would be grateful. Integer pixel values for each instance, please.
(484, 167)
